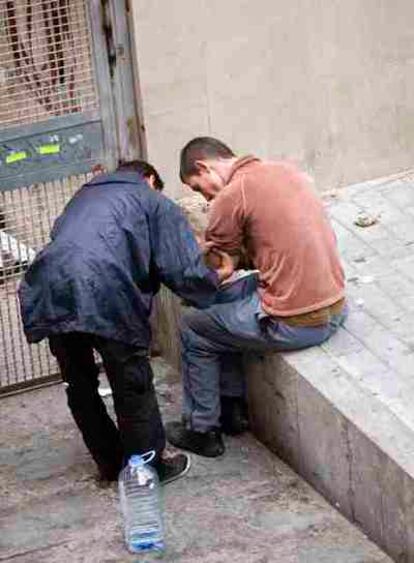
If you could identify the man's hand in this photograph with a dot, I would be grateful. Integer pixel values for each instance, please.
(218, 260)
(226, 267)
(206, 245)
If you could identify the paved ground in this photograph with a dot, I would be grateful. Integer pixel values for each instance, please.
(376, 346)
(247, 506)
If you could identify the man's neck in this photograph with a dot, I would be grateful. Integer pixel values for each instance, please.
(224, 168)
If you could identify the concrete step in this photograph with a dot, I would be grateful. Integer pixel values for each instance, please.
(246, 506)
(341, 414)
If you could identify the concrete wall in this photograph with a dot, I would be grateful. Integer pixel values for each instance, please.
(330, 84)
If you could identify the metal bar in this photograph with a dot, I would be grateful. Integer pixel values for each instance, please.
(55, 123)
(123, 81)
(5, 356)
(31, 385)
(104, 84)
(48, 175)
(12, 352)
(136, 83)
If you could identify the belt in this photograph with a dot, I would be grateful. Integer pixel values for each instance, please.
(316, 318)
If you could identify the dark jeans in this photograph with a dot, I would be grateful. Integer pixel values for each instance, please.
(130, 376)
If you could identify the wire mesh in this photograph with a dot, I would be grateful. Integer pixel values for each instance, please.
(46, 67)
(26, 218)
(46, 71)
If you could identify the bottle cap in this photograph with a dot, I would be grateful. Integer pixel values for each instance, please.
(140, 460)
(136, 461)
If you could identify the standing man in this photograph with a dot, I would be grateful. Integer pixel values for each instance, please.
(91, 288)
(269, 211)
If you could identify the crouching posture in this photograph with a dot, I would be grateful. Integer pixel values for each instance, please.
(268, 211)
(91, 288)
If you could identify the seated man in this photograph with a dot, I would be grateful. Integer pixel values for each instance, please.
(91, 288)
(233, 406)
(269, 210)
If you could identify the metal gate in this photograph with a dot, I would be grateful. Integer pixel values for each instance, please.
(66, 105)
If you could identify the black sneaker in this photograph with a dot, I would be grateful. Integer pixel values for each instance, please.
(171, 468)
(109, 472)
(207, 444)
(233, 419)
(105, 478)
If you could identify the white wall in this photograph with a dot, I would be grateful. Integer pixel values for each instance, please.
(329, 83)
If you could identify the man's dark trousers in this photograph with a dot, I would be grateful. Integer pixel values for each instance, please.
(130, 376)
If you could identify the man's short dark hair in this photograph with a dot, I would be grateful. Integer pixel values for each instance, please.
(201, 148)
(145, 169)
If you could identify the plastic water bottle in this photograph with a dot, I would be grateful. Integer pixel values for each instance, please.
(139, 490)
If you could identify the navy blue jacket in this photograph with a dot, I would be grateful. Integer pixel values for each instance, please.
(114, 244)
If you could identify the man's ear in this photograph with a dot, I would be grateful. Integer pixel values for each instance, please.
(201, 166)
(151, 181)
(98, 169)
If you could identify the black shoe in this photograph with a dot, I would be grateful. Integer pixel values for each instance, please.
(207, 444)
(233, 419)
(109, 471)
(106, 477)
(171, 468)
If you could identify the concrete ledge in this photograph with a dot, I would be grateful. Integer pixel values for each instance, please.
(341, 439)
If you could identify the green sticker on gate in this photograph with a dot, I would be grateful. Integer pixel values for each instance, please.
(16, 157)
(45, 150)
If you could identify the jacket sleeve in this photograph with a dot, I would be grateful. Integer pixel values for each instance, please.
(177, 258)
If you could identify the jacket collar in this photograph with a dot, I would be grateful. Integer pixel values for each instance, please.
(118, 177)
(240, 163)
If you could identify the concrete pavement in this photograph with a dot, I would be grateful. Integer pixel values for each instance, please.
(247, 506)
